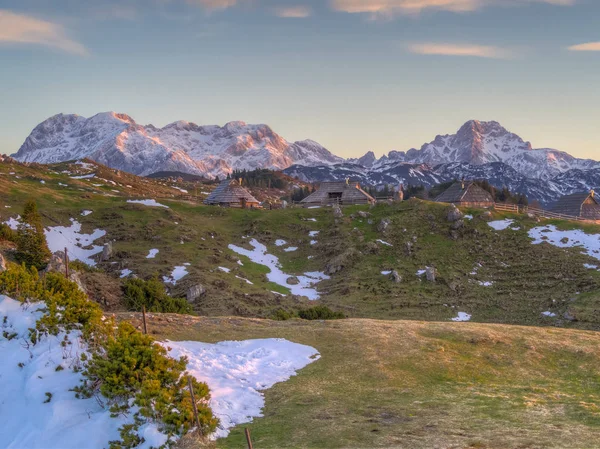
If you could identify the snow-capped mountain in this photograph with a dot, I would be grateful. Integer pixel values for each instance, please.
(117, 141)
(479, 143)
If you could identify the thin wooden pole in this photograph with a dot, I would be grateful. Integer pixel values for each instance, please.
(66, 263)
(195, 407)
(144, 320)
(248, 439)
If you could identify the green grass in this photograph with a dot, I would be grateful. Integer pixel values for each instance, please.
(409, 384)
(527, 279)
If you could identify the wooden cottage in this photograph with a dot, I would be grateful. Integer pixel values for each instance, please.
(583, 205)
(339, 192)
(467, 194)
(230, 193)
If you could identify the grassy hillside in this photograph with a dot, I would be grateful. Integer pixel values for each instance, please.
(496, 276)
(411, 384)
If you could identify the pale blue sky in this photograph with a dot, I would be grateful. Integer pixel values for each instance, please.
(354, 75)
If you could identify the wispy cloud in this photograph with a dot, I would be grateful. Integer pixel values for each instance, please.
(213, 5)
(392, 7)
(590, 46)
(22, 29)
(293, 12)
(470, 50)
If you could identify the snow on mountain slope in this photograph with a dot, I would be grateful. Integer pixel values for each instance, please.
(118, 141)
(479, 143)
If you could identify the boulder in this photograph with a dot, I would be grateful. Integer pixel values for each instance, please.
(454, 214)
(408, 247)
(430, 274)
(459, 224)
(396, 277)
(339, 262)
(383, 225)
(107, 252)
(337, 211)
(363, 214)
(292, 280)
(195, 292)
(372, 248)
(57, 262)
(487, 216)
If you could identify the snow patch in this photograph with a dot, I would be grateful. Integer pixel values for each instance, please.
(236, 371)
(576, 238)
(259, 255)
(501, 225)
(384, 243)
(76, 242)
(177, 273)
(151, 203)
(85, 213)
(462, 316)
(152, 253)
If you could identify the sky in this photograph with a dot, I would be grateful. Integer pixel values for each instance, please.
(354, 75)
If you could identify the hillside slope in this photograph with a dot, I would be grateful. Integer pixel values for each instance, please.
(494, 276)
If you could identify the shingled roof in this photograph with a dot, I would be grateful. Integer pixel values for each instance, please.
(230, 192)
(583, 205)
(465, 192)
(343, 192)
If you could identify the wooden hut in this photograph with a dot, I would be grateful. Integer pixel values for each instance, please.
(230, 193)
(339, 192)
(467, 194)
(583, 205)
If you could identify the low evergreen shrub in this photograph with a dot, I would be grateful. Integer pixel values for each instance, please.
(152, 294)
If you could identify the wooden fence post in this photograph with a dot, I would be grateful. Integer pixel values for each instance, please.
(195, 407)
(248, 439)
(66, 263)
(144, 320)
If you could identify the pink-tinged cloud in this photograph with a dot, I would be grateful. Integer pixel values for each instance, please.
(590, 46)
(391, 7)
(470, 50)
(22, 29)
(213, 5)
(293, 12)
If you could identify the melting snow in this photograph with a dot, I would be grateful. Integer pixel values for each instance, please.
(151, 203)
(549, 314)
(386, 272)
(177, 273)
(259, 255)
(313, 233)
(567, 239)
(226, 270)
(13, 223)
(245, 280)
(290, 249)
(462, 316)
(85, 213)
(71, 237)
(468, 217)
(152, 253)
(501, 225)
(590, 266)
(88, 176)
(64, 422)
(280, 242)
(126, 272)
(485, 283)
(236, 371)
(421, 272)
(384, 243)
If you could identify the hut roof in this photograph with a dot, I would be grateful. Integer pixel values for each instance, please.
(345, 192)
(229, 192)
(578, 205)
(471, 193)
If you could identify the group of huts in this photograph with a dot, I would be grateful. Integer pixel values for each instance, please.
(230, 193)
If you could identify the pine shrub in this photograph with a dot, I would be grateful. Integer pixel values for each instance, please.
(32, 248)
(320, 313)
(152, 294)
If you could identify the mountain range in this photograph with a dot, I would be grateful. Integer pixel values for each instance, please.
(478, 150)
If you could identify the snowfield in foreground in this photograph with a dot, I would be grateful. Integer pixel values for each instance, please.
(575, 238)
(234, 371)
